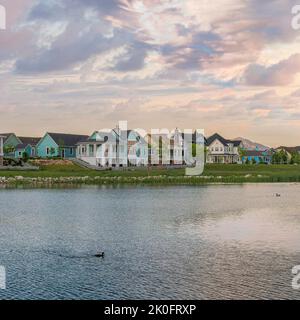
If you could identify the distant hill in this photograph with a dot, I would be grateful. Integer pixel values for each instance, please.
(250, 145)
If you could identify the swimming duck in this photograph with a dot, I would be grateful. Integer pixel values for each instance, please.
(99, 255)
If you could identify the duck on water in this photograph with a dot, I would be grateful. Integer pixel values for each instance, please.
(99, 255)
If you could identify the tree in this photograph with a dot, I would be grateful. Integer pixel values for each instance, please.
(25, 156)
(9, 149)
(52, 151)
(295, 158)
(280, 157)
(242, 153)
(61, 145)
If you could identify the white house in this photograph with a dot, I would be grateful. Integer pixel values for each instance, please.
(114, 148)
(220, 150)
(1, 149)
(173, 149)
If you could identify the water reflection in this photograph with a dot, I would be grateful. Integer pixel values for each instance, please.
(205, 242)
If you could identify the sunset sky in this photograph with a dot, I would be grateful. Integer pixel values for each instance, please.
(227, 66)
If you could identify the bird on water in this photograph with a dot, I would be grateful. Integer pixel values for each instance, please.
(100, 255)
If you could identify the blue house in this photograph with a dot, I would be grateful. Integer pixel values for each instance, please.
(15, 146)
(28, 146)
(257, 156)
(9, 144)
(59, 145)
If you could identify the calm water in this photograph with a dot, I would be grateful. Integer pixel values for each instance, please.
(160, 242)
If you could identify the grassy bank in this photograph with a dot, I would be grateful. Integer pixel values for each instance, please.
(70, 173)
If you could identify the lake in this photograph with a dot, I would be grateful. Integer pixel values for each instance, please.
(203, 242)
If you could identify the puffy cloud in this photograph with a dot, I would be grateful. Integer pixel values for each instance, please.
(280, 74)
(180, 62)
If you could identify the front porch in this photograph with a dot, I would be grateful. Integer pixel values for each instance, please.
(224, 159)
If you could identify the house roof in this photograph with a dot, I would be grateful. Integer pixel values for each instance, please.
(30, 140)
(224, 141)
(104, 136)
(6, 135)
(21, 146)
(68, 140)
(257, 153)
(290, 150)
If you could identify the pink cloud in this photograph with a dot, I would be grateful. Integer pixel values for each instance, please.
(280, 74)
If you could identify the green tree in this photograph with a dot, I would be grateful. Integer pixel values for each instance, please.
(295, 158)
(52, 151)
(280, 157)
(25, 157)
(242, 153)
(8, 149)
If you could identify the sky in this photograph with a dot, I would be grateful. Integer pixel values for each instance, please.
(226, 66)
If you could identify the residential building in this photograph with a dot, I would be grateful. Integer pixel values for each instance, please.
(114, 148)
(289, 151)
(10, 143)
(172, 149)
(255, 156)
(221, 150)
(15, 146)
(27, 146)
(59, 145)
(1, 149)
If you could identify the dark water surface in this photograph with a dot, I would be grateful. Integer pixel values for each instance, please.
(205, 242)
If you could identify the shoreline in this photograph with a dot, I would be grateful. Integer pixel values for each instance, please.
(49, 182)
(66, 173)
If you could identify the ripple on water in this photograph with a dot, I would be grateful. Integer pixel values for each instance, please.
(227, 242)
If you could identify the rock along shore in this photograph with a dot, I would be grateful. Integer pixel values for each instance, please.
(48, 181)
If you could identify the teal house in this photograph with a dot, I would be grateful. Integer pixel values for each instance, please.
(255, 156)
(15, 147)
(27, 146)
(59, 145)
(10, 143)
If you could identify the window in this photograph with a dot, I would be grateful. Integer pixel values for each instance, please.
(71, 151)
(20, 154)
(47, 151)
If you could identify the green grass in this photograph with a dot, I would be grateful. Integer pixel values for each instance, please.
(216, 172)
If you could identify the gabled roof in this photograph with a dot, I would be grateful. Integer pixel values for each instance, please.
(22, 146)
(7, 135)
(257, 153)
(67, 140)
(113, 135)
(30, 140)
(290, 150)
(224, 141)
